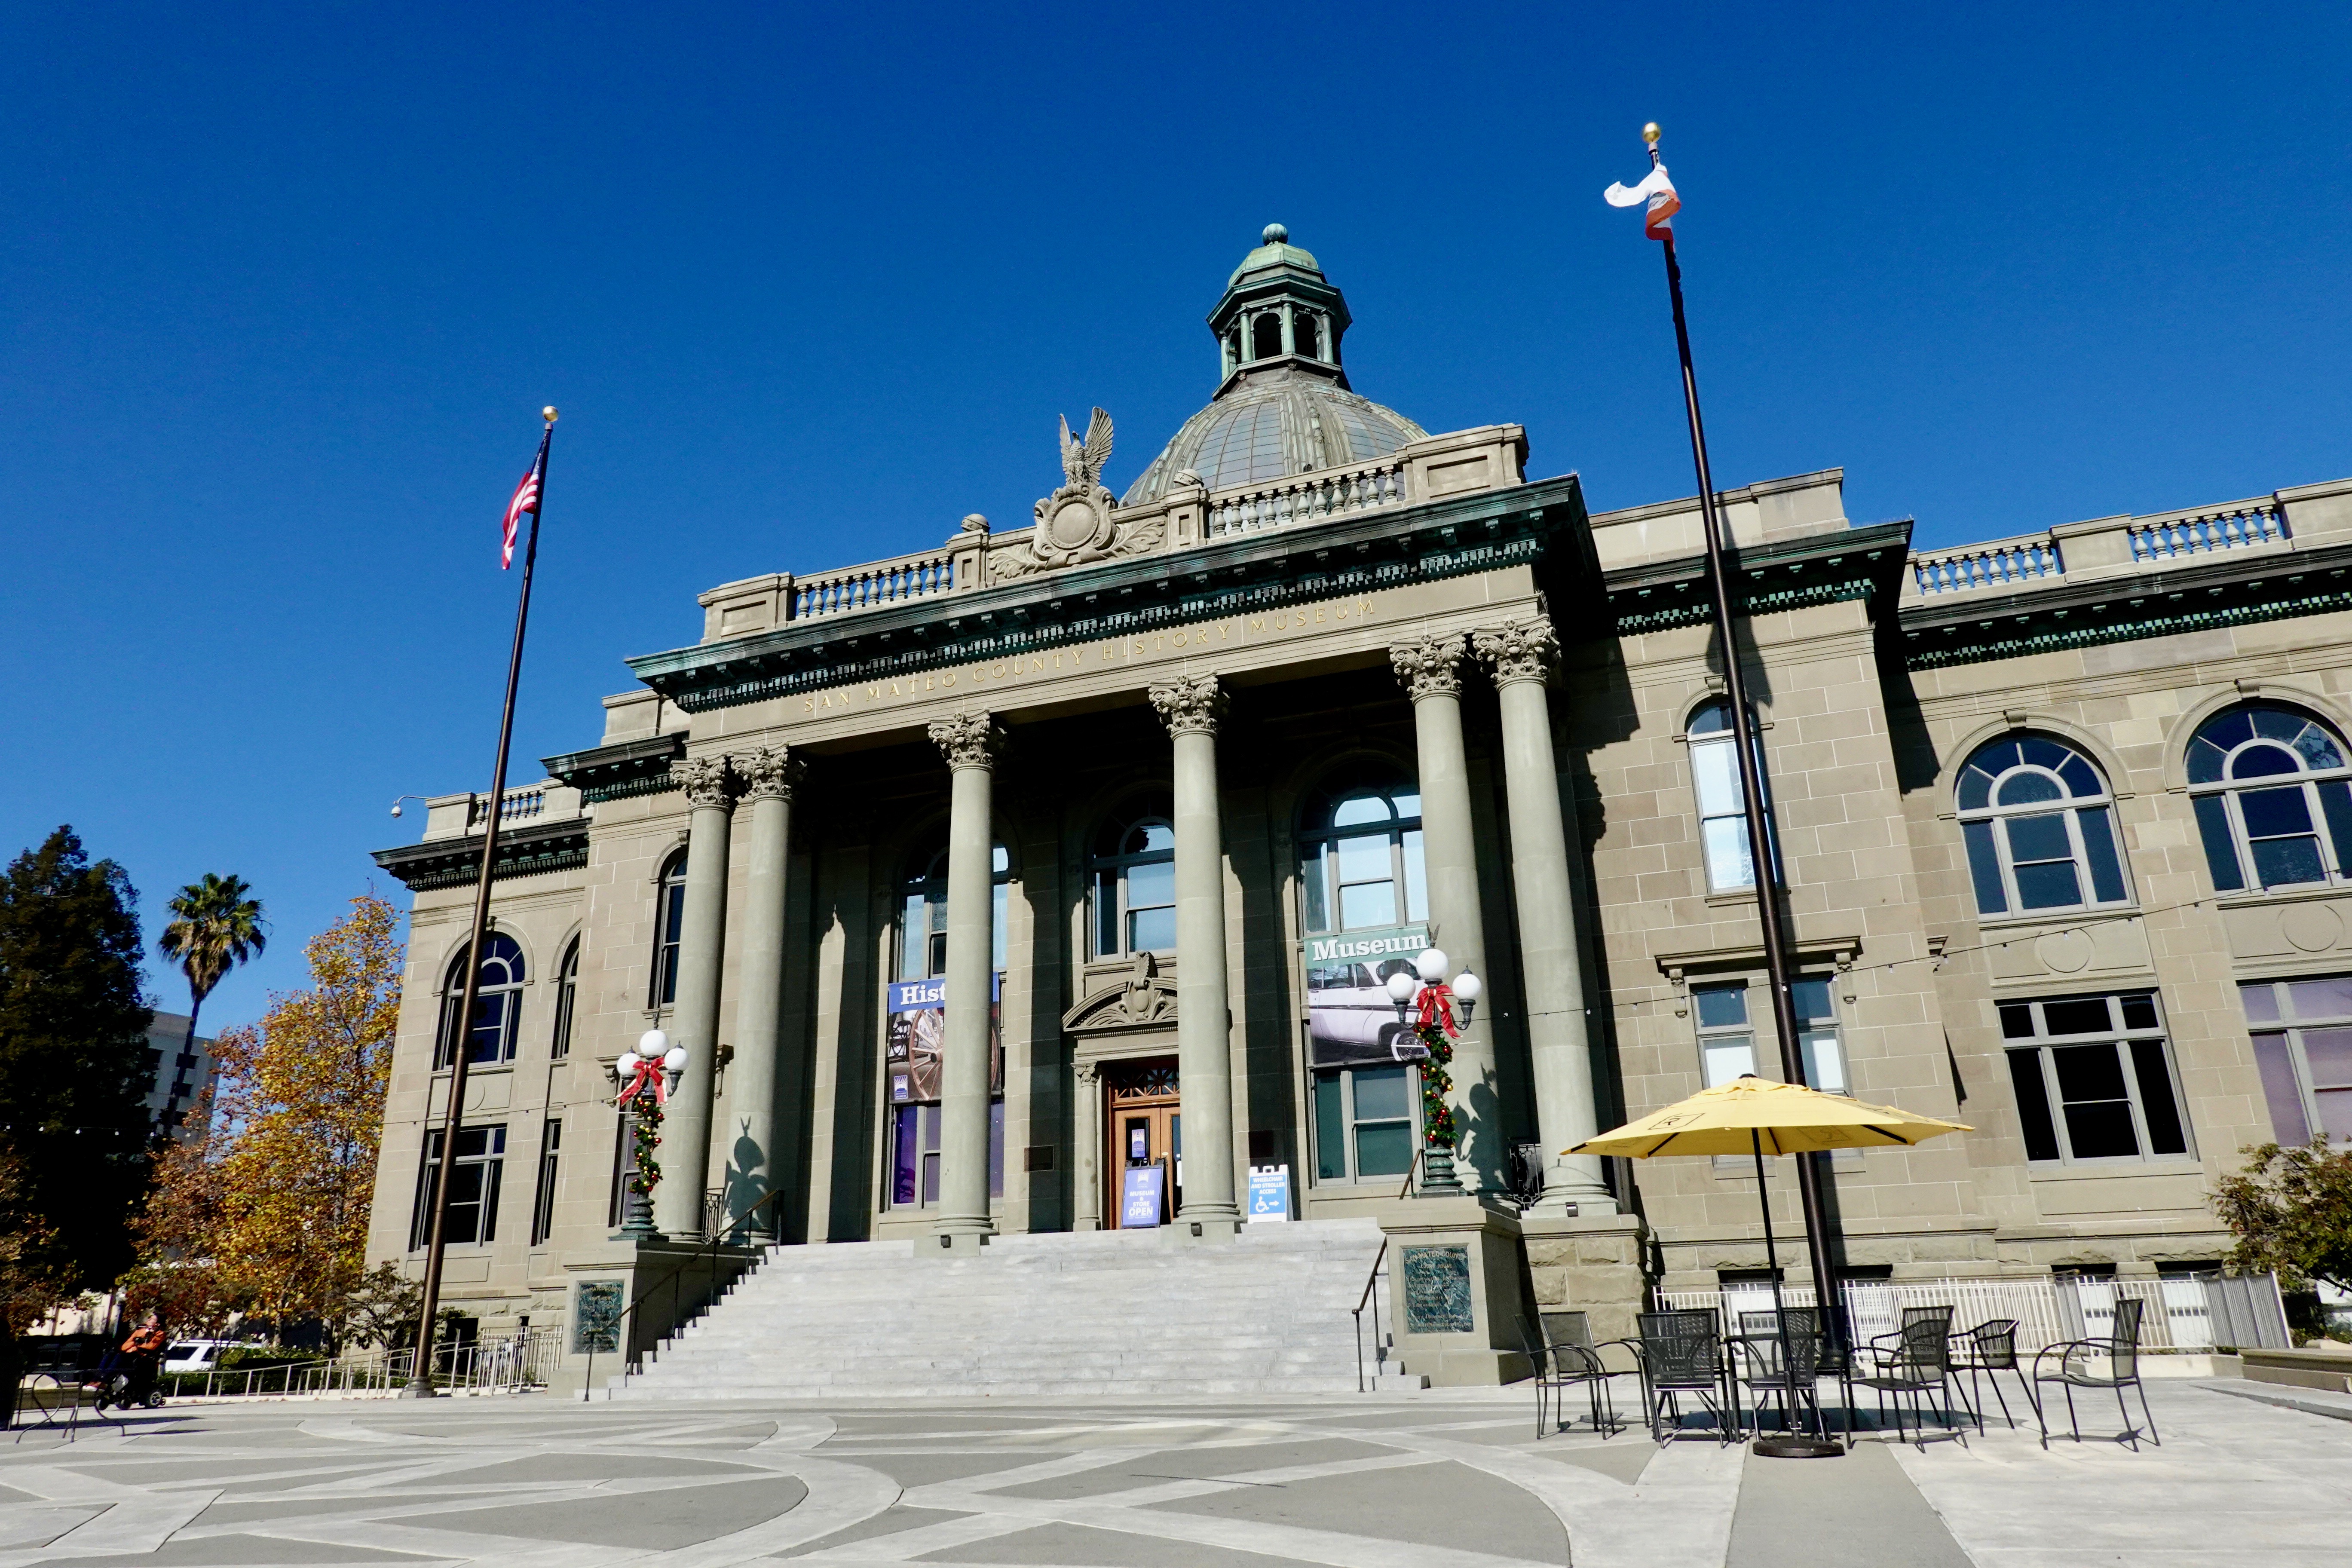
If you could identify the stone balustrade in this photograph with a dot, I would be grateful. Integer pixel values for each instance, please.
(2233, 527)
(2004, 562)
(1304, 497)
(872, 585)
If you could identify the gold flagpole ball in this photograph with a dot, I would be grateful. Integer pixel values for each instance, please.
(548, 413)
(1651, 134)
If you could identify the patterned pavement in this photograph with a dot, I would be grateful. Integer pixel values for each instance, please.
(1445, 1480)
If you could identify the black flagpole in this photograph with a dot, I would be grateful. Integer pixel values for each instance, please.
(1763, 851)
(420, 1381)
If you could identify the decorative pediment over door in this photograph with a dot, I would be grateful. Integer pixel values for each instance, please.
(1142, 999)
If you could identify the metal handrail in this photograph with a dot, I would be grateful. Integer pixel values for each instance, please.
(1370, 1295)
(625, 1324)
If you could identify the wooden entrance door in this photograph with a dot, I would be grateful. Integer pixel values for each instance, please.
(1147, 1128)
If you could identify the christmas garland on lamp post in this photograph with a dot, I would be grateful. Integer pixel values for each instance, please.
(1434, 1026)
(649, 1075)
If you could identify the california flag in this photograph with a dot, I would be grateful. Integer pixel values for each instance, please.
(1658, 192)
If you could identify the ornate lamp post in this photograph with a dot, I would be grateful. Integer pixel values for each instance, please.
(649, 1075)
(1426, 1000)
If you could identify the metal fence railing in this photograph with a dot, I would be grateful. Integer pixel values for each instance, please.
(511, 1364)
(2185, 1312)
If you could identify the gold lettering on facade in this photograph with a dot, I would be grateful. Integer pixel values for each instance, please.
(1237, 629)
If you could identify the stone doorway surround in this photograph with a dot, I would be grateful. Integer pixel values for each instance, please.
(1127, 1015)
(1140, 1094)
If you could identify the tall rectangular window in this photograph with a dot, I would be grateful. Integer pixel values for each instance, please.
(473, 1187)
(543, 1207)
(1364, 1121)
(2093, 1079)
(2302, 1045)
(1726, 1046)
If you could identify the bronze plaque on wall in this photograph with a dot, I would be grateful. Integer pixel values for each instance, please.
(1437, 1290)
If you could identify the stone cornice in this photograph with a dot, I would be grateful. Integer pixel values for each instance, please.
(623, 769)
(2214, 593)
(530, 851)
(1389, 548)
(1827, 568)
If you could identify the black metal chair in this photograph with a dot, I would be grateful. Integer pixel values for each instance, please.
(1565, 1357)
(1988, 1350)
(2074, 1372)
(1913, 1364)
(1784, 1366)
(1681, 1353)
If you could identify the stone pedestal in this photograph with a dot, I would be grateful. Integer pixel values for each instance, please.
(1591, 1264)
(659, 1282)
(1455, 1290)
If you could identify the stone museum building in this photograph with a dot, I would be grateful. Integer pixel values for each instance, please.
(974, 881)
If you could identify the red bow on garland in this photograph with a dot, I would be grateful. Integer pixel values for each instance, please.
(1437, 1007)
(648, 1078)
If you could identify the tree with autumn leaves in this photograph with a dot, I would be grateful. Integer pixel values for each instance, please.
(266, 1210)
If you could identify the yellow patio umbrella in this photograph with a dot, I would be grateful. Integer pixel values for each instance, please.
(1756, 1115)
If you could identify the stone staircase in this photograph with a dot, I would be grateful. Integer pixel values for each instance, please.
(1095, 1312)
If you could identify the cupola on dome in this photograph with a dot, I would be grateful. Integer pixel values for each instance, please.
(1283, 404)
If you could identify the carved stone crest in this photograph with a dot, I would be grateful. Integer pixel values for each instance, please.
(1075, 525)
(1142, 999)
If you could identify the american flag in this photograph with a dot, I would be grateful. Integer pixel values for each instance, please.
(526, 499)
(1657, 195)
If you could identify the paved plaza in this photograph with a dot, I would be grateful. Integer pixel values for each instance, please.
(539, 1482)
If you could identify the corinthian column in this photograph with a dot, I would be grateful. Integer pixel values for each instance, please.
(1191, 706)
(1520, 656)
(753, 1172)
(972, 743)
(701, 937)
(1431, 669)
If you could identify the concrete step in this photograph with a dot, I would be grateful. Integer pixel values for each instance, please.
(1100, 1312)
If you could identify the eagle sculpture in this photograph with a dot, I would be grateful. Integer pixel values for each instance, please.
(1082, 465)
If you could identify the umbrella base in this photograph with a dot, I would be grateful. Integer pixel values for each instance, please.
(1798, 1448)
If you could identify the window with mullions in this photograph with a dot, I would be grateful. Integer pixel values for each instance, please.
(1134, 868)
(542, 1206)
(2039, 825)
(2302, 1043)
(669, 915)
(1722, 803)
(2273, 797)
(567, 997)
(473, 1187)
(2093, 1079)
(1360, 860)
(923, 917)
(497, 1006)
(1365, 1122)
(1727, 1044)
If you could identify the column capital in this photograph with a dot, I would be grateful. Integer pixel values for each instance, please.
(1429, 666)
(1518, 651)
(1190, 704)
(1086, 1073)
(709, 782)
(969, 740)
(771, 772)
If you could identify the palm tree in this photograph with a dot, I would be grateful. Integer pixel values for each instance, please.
(214, 927)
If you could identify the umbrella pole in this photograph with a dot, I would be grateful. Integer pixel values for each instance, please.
(1793, 1445)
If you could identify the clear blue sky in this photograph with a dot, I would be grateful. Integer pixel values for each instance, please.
(283, 287)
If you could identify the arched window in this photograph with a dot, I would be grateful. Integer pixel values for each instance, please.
(1306, 331)
(1265, 336)
(1360, 855)
(2040, 825)
(2272, 796)
(567, 995)
(1134, 868)
(1722, 804)
(497, 1005)
(669, 915)
(923, 918)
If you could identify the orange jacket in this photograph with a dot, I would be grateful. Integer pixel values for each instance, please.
(145, 1342)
